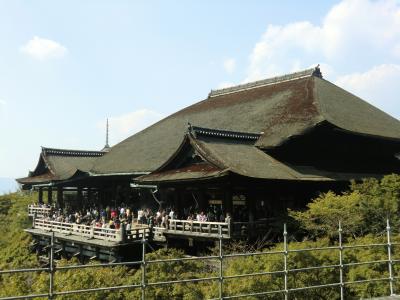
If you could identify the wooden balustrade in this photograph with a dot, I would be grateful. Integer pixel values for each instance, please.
(195, 228)
(38, 210)
(92, 232)
(175, 227)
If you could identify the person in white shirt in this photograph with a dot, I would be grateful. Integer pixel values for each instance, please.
(140, 216)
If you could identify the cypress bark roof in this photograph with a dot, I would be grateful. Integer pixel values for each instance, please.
(60, 164)
(277, 109)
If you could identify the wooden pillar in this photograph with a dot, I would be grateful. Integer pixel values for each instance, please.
(202, 200)
(227, 205)
(40, 195)
(251, 198)
(251, 205)
(50, 195)
(181, 205)
(89, 196)
(60, 200)
(162, 198)
(100, 195)
(79, 196)
(178, 196)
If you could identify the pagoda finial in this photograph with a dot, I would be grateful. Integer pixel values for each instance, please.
(107, 135)
(106, 146)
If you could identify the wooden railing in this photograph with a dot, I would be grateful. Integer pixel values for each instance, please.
(92, 232)
(39, 211)
(194, 228)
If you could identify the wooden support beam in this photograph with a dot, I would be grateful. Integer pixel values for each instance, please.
(227, 205)
(251, 204)
(251, 198)
(202, 200)
(79, 196)
(60, 200)
(163, 197)
(177, 198)
(40, 195)
(50, 195)
(89, 196)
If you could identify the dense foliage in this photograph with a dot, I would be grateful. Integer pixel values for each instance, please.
(362, 210)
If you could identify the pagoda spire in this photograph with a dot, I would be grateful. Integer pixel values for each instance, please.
(106, 146)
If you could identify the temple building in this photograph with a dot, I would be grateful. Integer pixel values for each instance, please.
(250, 151)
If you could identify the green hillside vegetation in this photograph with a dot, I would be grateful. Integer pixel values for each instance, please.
(363, 212)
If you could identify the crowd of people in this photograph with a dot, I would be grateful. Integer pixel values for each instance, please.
(114, 218)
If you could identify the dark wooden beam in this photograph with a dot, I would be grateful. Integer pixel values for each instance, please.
(60, 199)
(40, 195)
(227, 205)
(79, 196)
(50, 195)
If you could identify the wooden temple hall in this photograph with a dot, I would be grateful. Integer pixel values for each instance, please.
(244, 155)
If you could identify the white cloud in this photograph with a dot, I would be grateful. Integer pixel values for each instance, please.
(123, 126)
(224, 85)
(276, 53)
(352, 33)
(42, 49)
(229, 65)
(379, 86)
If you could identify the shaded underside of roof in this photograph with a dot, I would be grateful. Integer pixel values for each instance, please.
(279, 111)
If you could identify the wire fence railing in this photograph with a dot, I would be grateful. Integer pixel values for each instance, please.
(286, 289)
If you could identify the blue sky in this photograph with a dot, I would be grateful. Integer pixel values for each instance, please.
(65, 66)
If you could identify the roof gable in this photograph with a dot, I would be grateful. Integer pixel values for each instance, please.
(60, 164)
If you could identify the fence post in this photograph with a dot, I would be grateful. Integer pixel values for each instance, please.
(143, 267)
(221, 271)
(341, 262)
(34, 220)
(92, 232)
(390, 262)
(51, 269)
(285, 257)
(122, 233)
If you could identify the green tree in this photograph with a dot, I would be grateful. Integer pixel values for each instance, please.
(362, 210)
(321, 218)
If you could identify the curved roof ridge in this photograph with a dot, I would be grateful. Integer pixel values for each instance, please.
(268, 81)
(71, 152)
(221, 133)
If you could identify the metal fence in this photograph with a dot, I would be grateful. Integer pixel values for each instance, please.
(285, 291)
